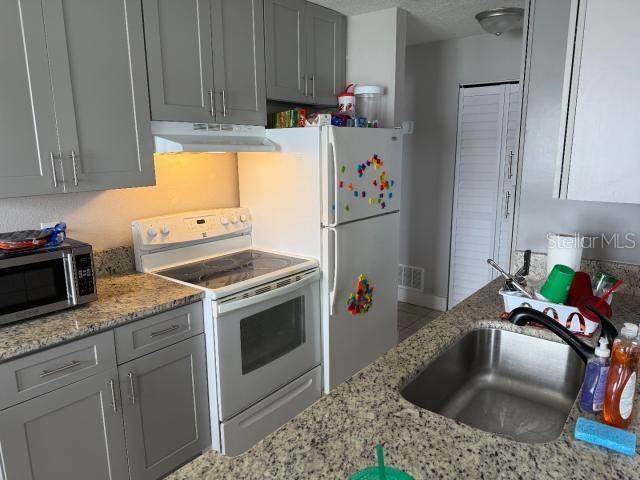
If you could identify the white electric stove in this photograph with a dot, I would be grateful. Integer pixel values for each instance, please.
(262, 318)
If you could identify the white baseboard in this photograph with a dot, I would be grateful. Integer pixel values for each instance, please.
(422, 299)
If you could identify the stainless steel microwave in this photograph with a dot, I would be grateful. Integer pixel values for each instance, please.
(45, 280)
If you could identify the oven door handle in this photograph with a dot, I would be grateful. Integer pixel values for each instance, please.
(278, 292)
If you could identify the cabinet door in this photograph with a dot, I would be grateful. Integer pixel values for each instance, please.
(179, 59)
(165, 408)
(97, 61)
(238, 56)
(284, 25)
(73, 433)
(27, 122)
(326, 54)
(603, 134)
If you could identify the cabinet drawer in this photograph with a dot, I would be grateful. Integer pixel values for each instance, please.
(48, 370)
(156, 332)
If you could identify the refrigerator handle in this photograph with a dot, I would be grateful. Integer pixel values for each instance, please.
(332, 292)
(334, 205)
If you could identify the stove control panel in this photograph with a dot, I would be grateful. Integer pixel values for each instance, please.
(191, 226)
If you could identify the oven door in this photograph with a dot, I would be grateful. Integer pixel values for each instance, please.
(35, 284)
(265, 341)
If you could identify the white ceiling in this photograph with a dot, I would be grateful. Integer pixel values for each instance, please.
(429, 20)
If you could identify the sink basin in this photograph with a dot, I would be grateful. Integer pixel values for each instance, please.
(514, 385)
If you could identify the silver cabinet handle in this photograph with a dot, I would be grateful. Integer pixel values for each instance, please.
(211, 110)
(157, 333)
(306, 85)
(46, 373)
(313, 86)
(506, 204)
(114, 405)
(72, 156)
(53, 170)
(133, 391)
(511, 156)
(224, 104)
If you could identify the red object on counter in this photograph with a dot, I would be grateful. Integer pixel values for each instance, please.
(580, 287)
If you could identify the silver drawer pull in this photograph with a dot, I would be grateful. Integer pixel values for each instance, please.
(133, 390)
(114, 405)
(46, 373)
(73, 157)
(172, 328)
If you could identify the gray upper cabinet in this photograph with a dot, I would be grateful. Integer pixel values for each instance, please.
(179, 59)
(305, 52)
(75, 432)
(238, 61)
(287, 79)
(206, 60)
(97, 60)
(165, 407)
(29, 154)
(600, 128)
(326, 53)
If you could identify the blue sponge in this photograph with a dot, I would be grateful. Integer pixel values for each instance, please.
(606, 436)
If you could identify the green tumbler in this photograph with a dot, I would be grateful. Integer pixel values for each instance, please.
(556, 288)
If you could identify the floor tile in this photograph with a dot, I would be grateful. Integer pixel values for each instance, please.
(406, 319)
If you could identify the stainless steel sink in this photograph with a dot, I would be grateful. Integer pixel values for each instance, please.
(514, 385)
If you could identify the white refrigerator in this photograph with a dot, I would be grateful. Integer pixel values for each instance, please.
(334, 193)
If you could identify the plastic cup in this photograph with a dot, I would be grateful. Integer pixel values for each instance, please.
(556, 288)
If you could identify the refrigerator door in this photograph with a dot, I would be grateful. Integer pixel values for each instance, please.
(359, 252)
(361, 170)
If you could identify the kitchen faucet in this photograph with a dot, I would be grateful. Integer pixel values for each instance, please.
(522, 315)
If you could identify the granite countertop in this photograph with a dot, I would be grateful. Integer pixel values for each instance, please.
(121, 299)
(336, 436)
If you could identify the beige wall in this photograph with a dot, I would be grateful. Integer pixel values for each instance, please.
(183, 182)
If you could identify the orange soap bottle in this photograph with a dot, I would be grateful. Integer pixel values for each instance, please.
(617, 408)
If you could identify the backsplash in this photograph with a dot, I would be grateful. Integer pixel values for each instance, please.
(114, 261)
(628, 273)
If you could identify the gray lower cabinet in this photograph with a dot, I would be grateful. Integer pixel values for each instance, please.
(305, 52)
(165, 408)
(75, 432)
(29, 153)
(205, 60)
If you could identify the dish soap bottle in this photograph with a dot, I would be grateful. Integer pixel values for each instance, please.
(595, 379)
(622, 378)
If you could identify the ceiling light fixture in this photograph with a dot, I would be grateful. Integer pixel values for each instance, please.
(500, 20)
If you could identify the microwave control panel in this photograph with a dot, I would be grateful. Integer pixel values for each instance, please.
(84, 274)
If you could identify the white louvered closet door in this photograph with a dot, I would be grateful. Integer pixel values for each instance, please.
(486, 162)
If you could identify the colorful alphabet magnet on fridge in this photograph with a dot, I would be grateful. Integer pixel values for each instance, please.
(360, 301)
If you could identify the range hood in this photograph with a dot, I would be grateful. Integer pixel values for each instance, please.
(178, 137)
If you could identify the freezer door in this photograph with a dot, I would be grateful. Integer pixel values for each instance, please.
(352, 340)
(361, 170)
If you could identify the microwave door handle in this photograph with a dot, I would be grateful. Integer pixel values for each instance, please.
(71, 278)
(332, 292)
(333, 206)
(278, 292)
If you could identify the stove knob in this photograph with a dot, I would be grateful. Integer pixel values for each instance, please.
(152, 232)
(234, 219)
(224, 221)
(243, 218)
(165, 230)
